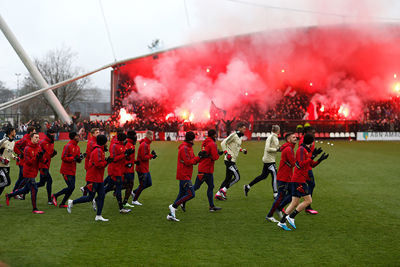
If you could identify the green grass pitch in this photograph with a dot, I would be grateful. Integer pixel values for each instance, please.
(357, 195)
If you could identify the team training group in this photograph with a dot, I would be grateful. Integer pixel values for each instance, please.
(292, 181)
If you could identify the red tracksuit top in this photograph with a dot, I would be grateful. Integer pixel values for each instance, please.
(68, 164)
(312, 147)
(144, 156)
(206, 165)
(286, 163)
(186, 160)
(303, 164)
(31, 163)
(19, 147)
(131, 158)
(117, 167)
(47, 145)
(97, 165)
(89, 148)
(114, 140)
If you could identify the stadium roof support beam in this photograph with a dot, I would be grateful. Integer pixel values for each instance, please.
(33, 70)
(52, 87)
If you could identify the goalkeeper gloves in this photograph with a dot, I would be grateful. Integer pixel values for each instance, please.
(316, 152)
(323, 157)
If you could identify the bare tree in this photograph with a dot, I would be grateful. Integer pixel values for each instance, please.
(56, 66)
(5, 93)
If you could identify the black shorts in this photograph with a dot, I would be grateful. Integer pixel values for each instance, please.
(283, 187)
(299, 189)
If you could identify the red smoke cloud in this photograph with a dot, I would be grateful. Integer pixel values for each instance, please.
(339, 66)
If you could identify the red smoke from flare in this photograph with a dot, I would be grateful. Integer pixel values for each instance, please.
(337, 65)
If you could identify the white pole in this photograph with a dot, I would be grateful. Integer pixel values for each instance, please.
(48, 88)
(49, 95)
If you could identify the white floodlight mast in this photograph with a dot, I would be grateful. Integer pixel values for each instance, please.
(49, 95)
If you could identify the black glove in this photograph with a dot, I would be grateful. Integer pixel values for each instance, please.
(137, 162)
(82, 156)
(78, 158)
(21, 156)
(105, 148)
(154, 154)
(220, 152)
(54, 153)
(316, 152)
(129, 152)
(323, 157)
(109, 160)
(203, 154)
(244, 151)
(40, 154)
(129, 165)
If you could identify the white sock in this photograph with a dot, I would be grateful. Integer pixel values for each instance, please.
(218, 193)
(224, 189)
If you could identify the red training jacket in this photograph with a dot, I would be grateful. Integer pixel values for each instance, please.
(117, 167)
(19, 147)
(131, 158)
(47, 145)
(206, 165)
(31, 163)
(114, 140)
(97, 165)
(303, 164)
(144, 156)
(89, 148)
(68, 164)
(287, 162)
(312, 146)
(186, 160)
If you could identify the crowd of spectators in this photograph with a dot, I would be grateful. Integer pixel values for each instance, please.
(381, 116)
(288, 108)
(152, 115)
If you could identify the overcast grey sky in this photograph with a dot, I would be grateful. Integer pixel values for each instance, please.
(42, 25)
